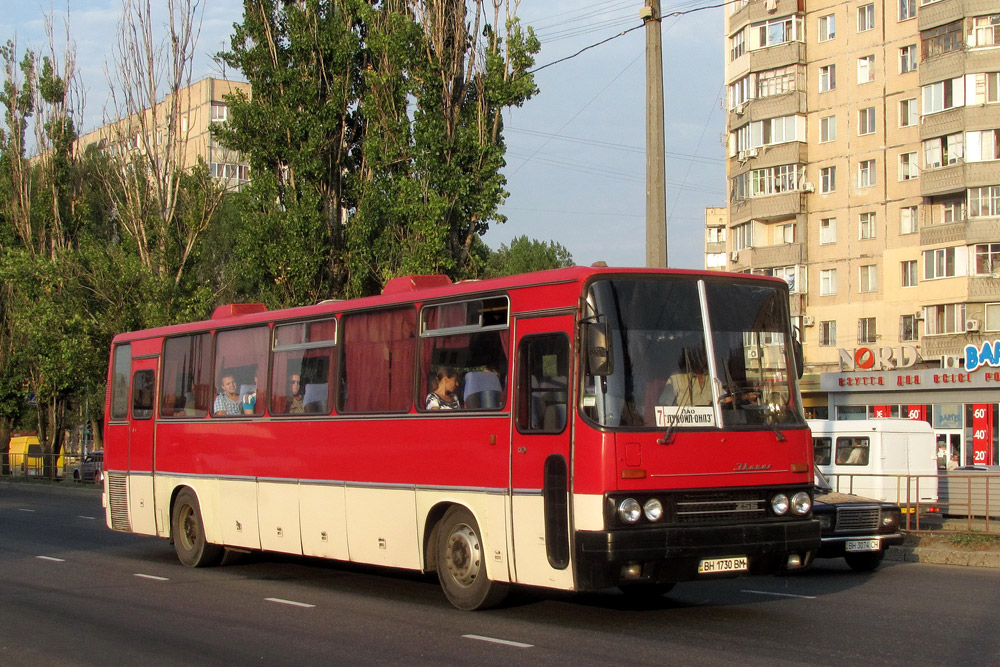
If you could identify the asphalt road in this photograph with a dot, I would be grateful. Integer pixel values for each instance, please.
(72, 592)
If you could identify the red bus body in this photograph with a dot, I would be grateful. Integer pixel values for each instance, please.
(545, 473)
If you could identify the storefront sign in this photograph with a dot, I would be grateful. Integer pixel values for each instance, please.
(878, 358)
(988, 354)
(982, 433)
(928, 378)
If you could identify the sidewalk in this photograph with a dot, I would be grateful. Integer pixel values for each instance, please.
(949, 547)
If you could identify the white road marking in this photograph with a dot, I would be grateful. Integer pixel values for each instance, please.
(494, 640)
(80, 516)
(150, 576)
(56, 560)
(290, 602)
(782, 595)
(25, 509)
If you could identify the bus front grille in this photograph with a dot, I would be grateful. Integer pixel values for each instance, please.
(720, 507)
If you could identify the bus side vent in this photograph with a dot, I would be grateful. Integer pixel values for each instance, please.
(118, 501)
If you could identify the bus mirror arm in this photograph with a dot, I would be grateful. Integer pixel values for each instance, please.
(598, 353)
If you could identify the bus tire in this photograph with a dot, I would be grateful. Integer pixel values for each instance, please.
(866, 562)
(188, 532)
(461, 564)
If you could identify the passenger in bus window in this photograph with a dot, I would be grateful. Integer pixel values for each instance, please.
(691, 385)
(295, 403)
(227, 403)
(444, 396)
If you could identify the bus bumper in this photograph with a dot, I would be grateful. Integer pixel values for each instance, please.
(673, 554)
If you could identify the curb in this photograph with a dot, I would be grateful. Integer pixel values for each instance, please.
(938, 556)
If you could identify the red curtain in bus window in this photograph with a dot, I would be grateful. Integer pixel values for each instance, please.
(916, 412)
(881, 411)
(982, 434)
(379, 353)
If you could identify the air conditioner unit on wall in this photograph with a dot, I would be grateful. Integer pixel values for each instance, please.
(808, 187)
(919, 315)
(753, 152)
(753, 353)
(734, 255)
(808, 321)
(972, 325)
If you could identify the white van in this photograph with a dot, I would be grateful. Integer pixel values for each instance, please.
(873, 458)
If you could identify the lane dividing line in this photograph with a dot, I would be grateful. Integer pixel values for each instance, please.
(24, 509)
(80, 516)
(150, 576)
(292, 603)
(51, 558)
(494, 640)
(782, 595)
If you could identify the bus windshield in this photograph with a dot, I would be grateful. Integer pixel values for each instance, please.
(692, 353)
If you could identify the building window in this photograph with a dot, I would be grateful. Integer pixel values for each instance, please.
(985, 32)
(770, 132)
(866, 17)
(739, 92)
(827, 28)
(908, 112)
(943, 95)
(944, 319)
(743, 236)
(983, 146)
(827, 129)
(866, 69)
(949, 210)
(866, 330)
(828, 179)
(827, 282)
(984, 202)
(737, 44)
(778, 81)
(909, 223)
(784, 233)
(908, 329)
(992, 317)
(866, 121)
(909, 273)
(220, 112)
(776, 31)
(908, 59)
(771, 181)
(943, 39)
(942, 151)
(827, 231)
(985, 88)
(866, 173)
(867, 278)
(942, 263)
(987, 258)
(866, 226)
(908, 166)
(827, 78)
(907, 9)
(828, 333)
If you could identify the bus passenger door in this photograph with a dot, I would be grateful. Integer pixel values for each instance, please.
(540, 451)
(142, 426)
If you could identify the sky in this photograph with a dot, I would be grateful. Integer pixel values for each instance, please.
(575, 152)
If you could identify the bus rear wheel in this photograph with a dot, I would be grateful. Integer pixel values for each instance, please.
(188, 532)
(461, 564)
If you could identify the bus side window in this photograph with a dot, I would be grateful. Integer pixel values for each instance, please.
(821, 451)
(142, 394)
(543, 365)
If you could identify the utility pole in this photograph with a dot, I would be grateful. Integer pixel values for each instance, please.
(656, 186)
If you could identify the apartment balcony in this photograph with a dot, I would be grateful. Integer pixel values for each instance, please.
(949, 345)
(785, 254)
(984, 289)
(713, 247)
(965, 232)
(787, 104)
(789, 53)
(946, 11)
(958, 177)
(758, 11)
(765, 209)
(958, 63)
(972, 117)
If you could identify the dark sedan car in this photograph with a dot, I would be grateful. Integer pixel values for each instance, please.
(854, 528)
(91, 470)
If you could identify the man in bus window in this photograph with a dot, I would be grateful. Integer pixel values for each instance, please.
(295, 404)
(227, 403)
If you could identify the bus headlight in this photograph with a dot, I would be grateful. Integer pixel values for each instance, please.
(779, 504)
(801, 503)
(629, 510)
(653, 509)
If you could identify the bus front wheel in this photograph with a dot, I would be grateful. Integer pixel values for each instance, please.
(188, 532)
(461, 564)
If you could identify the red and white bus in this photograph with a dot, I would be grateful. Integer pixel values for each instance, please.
(577, 460)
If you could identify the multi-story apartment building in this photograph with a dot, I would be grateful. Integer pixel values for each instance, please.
(864, 167)
(201, 104)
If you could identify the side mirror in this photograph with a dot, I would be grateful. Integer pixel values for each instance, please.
(598, 352)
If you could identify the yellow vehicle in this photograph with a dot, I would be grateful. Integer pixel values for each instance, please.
(25, 457)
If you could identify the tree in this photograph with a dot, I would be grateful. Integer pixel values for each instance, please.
(524, 255)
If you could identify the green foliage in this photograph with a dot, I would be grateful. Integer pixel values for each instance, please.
(525, 255)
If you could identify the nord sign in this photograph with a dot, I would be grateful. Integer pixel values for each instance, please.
(878, 358)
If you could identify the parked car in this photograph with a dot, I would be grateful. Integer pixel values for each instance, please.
(91, 470)
(855, 528)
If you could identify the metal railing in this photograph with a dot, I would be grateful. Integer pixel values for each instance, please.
(39, 466)
(964, 500)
